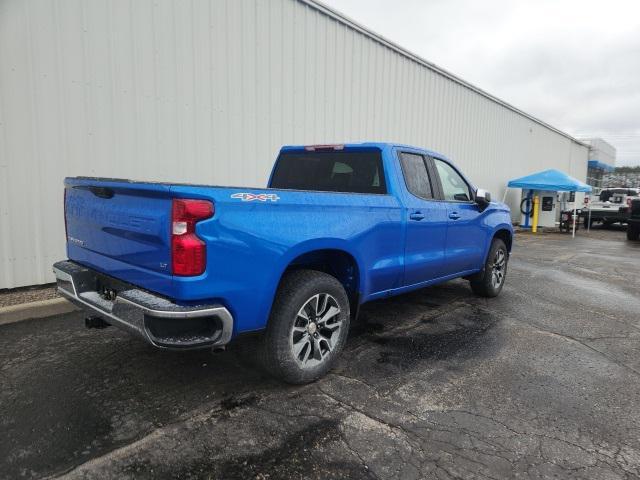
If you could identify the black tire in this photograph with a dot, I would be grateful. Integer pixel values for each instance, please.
(633, 232)
(483, 283)
(296, 290)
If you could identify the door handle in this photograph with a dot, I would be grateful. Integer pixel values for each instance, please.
(416, 216)
(454, 216)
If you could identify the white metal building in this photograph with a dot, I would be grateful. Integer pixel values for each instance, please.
(206, 91)
(602, 160)
(601, 151)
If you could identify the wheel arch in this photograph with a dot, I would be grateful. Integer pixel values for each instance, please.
(331, 256)
(504, 234)
(339, 263)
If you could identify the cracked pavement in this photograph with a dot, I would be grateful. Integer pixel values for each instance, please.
(541, 382)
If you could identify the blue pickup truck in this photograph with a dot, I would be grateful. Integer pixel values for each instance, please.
(194, 266)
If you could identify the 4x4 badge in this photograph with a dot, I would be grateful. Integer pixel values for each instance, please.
(261, 197)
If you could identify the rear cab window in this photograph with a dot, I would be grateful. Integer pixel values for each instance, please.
(416, 176)
(348, 171)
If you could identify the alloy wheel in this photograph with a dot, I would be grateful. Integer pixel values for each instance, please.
(499, 268)
(316, 330)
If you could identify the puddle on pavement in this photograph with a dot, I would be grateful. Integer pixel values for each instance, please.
(301, 454)
(233, 402)
(438, 338)
(364, 325)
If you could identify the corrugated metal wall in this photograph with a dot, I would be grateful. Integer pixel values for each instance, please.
(206, 91)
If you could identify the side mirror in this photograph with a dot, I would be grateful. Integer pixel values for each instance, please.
(483, 198)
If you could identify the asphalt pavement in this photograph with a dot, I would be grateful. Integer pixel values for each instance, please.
(541, 382)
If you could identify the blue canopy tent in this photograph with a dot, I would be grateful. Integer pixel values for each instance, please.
(552, 180)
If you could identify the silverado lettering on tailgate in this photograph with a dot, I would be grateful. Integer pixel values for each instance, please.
(110, 216)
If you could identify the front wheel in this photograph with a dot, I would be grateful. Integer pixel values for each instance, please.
(490, 281)
(307, 328)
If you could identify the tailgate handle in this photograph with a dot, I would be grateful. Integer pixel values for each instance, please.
(102, 192)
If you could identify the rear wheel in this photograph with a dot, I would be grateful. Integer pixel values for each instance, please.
(490, 281)
(308, 327)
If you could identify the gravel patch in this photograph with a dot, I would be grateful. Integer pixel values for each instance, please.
(16, 296)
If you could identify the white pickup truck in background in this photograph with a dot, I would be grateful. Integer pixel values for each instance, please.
(611, 206)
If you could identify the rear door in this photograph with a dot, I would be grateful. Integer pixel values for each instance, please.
(120, 228)
(466, 239)
(426, 222)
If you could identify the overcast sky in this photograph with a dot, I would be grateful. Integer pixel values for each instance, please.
(574, 64)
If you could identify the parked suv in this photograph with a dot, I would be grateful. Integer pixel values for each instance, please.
(611, 206)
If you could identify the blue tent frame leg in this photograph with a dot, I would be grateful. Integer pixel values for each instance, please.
(527, 210)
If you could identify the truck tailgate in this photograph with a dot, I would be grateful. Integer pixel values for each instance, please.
(120, 228)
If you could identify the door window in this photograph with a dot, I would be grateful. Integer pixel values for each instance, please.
(454, 188)
(415, 175)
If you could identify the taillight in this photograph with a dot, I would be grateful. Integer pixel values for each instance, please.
(188, 251)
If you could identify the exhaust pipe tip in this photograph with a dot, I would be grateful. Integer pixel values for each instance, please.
(95, 322)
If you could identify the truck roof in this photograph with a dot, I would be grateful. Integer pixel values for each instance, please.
(379, 145)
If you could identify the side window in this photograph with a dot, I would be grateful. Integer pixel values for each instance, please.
(454, 187)
(415, 175)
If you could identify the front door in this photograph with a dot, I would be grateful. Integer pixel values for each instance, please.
(426, 223)
(466, 238)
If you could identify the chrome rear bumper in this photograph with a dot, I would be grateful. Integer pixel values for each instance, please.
(156, 319)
